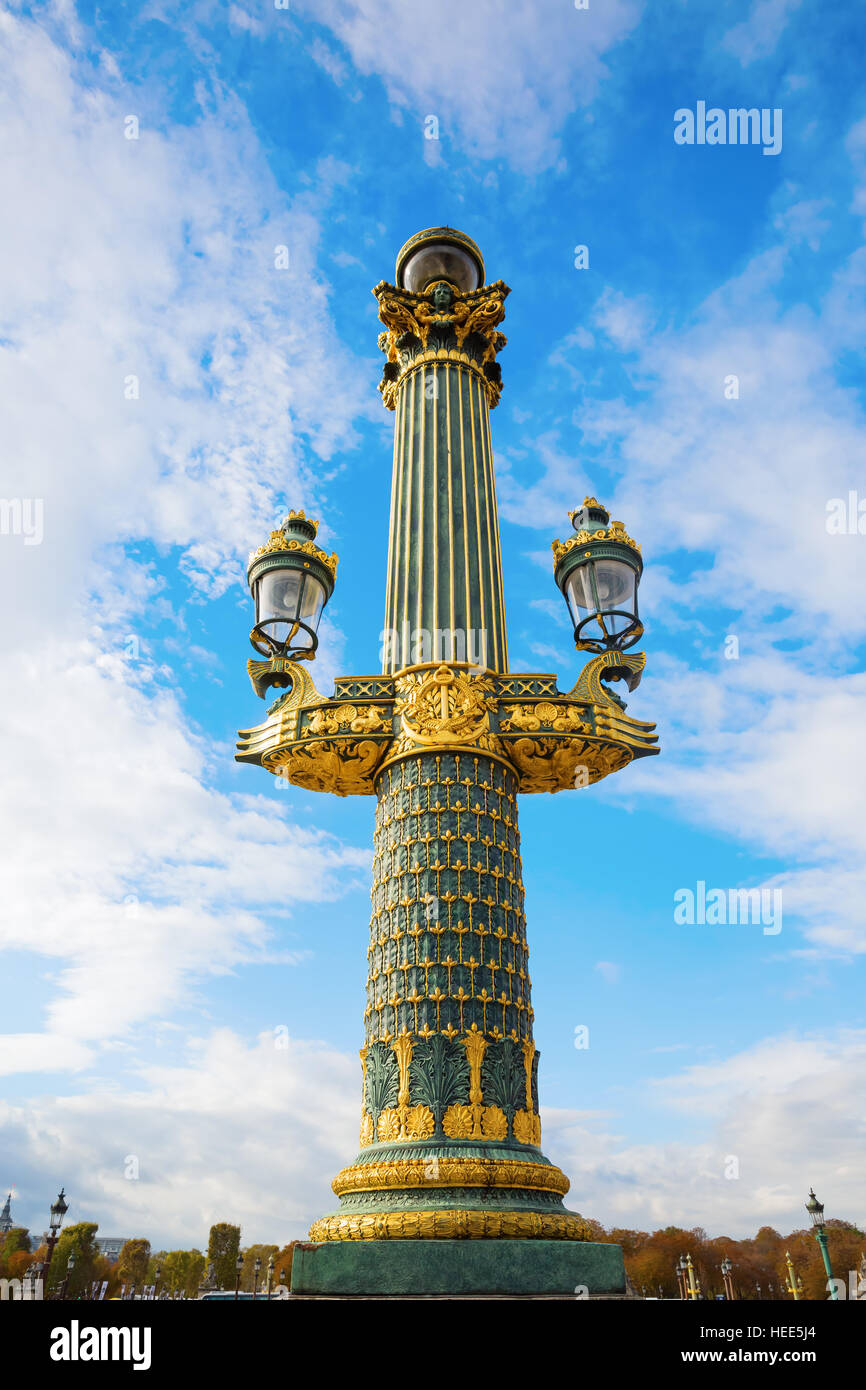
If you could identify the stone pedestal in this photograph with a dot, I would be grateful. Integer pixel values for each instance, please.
(382, 1268)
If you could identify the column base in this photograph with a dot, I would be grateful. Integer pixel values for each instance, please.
(371, 1268)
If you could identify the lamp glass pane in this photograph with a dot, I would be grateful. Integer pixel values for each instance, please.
(614, 581)
(312, 602)
(439, 261)
(277, 595)
(579, 591)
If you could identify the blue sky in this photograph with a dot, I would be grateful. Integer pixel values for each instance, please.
(171, 918)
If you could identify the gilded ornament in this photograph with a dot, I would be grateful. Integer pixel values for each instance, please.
(344, 769)
(278, 540)
(453, 1224)
(389, 1175)
(447, 707)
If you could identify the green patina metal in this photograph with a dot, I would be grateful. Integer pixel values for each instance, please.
(401, 1267)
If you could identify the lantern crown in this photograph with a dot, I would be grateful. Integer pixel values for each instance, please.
(296, 532)
(592, 523)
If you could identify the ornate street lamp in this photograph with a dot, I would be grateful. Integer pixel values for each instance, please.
(816, 1214)
(291, 580)
(239, 1264)
(257, 1264)
(726, 1268)
(446, 738)
(681, 1271)
(598, 571)
(55, 1221)
(794, 1285)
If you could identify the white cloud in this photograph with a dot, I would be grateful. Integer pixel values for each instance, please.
(502, 82)
(255, 1133)
(151, 258)
(248, 1134)
(757, 36)
(789, 1110)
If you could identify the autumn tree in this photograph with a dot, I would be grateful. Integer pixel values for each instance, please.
(223, 1246)
(283, 1265)
(79, 1239)
(131, 1267)
(14, 1243)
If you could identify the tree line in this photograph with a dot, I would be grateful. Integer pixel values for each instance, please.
(759, 1263)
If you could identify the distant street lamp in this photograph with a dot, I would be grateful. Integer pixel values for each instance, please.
(58, 1211)
(681, 1270)
(239, 1264)
(257, 1264)
(795, 1284)
(70, 1265)
(816, 1212)
(726, 1268)
(156, 1273)
(270, 1276)
(758, 1287)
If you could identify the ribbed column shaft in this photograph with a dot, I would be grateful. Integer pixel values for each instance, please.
(444, 558)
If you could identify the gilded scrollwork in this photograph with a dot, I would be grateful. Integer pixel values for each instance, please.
(346, 769)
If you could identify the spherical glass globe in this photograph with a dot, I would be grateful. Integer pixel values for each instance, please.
(440, 261)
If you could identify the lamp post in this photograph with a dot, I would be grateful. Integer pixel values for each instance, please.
(239, 1264)
(156, 1273)
(55, 1221)
(257, 1264)
(726, 1268)
(795, 1284)
(270, 1275)
(816, 1214)
(445, 739)
(70, 1265)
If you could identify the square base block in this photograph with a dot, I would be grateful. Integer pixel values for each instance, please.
(368, 1268)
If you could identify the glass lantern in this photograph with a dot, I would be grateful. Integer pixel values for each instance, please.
(815, 1210)
(598, 571)
(440, 253)
(291, 580)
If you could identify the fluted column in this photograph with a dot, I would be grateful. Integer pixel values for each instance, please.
(444, 594)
